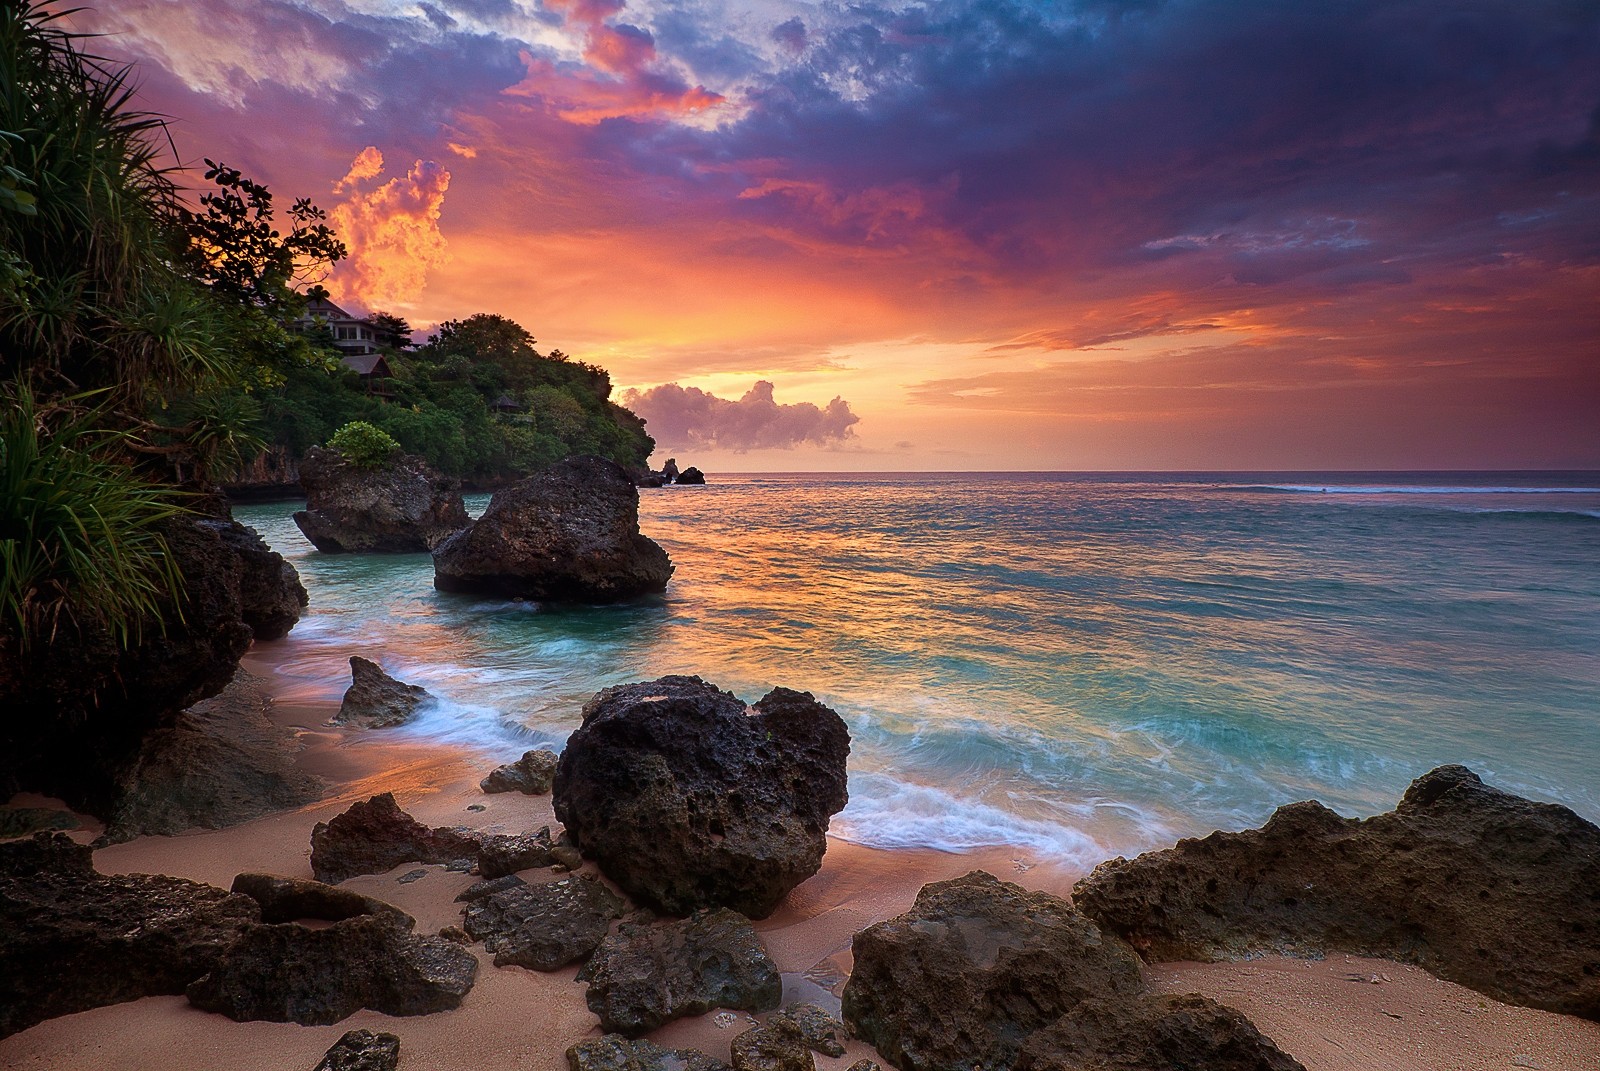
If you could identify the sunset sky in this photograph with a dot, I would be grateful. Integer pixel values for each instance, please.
(1112, 234)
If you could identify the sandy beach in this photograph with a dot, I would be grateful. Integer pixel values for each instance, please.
(1340, 1014)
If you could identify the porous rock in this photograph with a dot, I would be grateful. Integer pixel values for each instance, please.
(376, 700)
(362, 1050)
(567, 534)
(687, 798)
(73, 939)
(544, 926)
(500, 854)
(271, 596)
(288, 973)
(531, 775)
(818, 1029)
(289, 899)
(777, 1046)
(1476, 885)
(376, 836)
(1188, 1031)
(404, 506)
(974, 967)
(613, 1052)
(647, 974)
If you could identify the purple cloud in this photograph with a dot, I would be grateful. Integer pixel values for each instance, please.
(690, 417)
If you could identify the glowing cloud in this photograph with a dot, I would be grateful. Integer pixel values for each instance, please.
(688, 416)
(392, 231)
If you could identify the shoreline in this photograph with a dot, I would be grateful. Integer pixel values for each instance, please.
(1338, 1014)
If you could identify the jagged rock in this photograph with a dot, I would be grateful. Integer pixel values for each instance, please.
(1476, 885)
(645, 975)
(271, 596)
(691, 475)
(818, 1029)
(403, 507)
(376, 700)
(1153, 1032)
(531, 775)
(500, 854)
(546, 926)
(222, 762)
(289, 899)
(777, 1046)
(362, 1050)
(478, 890)
(376, 836)
(613, 1052)
(23, 821)
(73, 939)
(687, 798)
(984, 974)
(567, 534)
(864, 1065)
(287, 973)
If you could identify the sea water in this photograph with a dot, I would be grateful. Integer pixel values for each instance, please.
(1074, 665)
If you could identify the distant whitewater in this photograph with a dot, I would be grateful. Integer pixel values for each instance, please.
(1075, 665)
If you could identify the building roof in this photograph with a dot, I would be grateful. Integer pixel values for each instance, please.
(367, 364)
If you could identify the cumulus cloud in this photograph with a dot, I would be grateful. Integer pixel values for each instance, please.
(392, 230)
(690, 417)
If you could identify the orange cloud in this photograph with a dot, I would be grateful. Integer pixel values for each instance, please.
(392, 231)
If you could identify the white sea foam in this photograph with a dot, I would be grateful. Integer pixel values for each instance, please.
(474, 726)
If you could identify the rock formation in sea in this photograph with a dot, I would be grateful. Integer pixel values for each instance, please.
(532, 775)
(691, 475)
(688, 798)
(405, 506)
(1478, 886)
(567, 534)
(376, 700)
(982, 973)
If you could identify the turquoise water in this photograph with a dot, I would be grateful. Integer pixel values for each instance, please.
(1074, 665)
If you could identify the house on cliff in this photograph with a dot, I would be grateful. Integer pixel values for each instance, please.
(360, 341)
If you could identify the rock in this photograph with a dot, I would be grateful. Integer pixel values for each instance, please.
(1153, 1032)
(818, 1029)
(362, 1050)
(645, 975)
(1478, 886)
(566, 856)
(403, 507)
(692, 475)
(864, 1065)
(777, 1046)
(287, 973)
(376, 700)
(289, 899)
(531, 775)
(73, 939)
(500, 855)
(478, 890)
(376, 836)
(567, 534)
(546, 926)
(271, 596)
(687, 798)
(613, 1052)
(23, 821)
(221, 762)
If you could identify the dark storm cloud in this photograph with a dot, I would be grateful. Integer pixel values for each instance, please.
(688, 416)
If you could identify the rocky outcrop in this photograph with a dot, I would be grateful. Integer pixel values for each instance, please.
(691, 475)
(362, 1050)
(502, 854)
(288, 973)
(544, 927)
(532, 775)
(376, 700)
(292, 899)
(73, 939)
(221, 762)
(981, 973)
(687, 798)
(403, 507)
(271, 596)
(820, 1031)
(1476, 885)
(777, 1046)
(377, 836)
(613, 1052)
(647, 974)
(567, 534)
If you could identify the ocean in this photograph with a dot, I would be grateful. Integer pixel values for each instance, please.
(1072, 665)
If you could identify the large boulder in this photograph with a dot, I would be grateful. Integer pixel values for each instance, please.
(403, 507)
(983, 974)
(288, 973)
(567, 534)
(271, 596)
(688, 798)
(645, 974)
(1476, 885)
(545, 927)
(376, 836)
(376, 700)
(532, 775)
(73, 939)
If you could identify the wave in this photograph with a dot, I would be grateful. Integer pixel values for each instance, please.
(1406, 489)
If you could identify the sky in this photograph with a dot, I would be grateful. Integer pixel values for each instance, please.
(1105, 234)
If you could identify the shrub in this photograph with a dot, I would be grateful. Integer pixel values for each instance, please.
(363, 445)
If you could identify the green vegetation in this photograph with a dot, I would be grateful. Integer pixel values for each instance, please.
(363, 445)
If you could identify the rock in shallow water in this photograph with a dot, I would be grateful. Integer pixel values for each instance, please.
(1478, 886)
(376, 700)
(403, 507)
(687, 798)
(531, 775)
